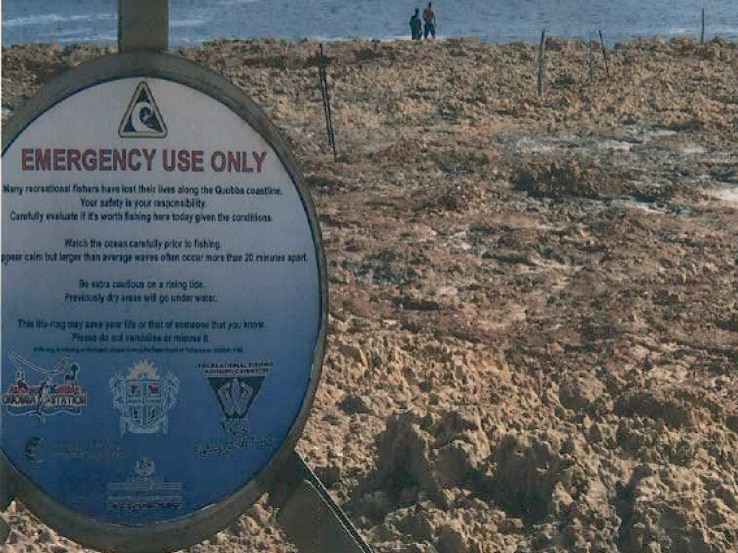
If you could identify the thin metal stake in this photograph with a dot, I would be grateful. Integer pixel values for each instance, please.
(541, 62)
(309, 515)
(319, 60)
(326, 101)
(604, 55)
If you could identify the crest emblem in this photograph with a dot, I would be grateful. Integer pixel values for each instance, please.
(56, 391)
(145, 490)
(236, 388)
(144, 468)
(142, 118)
(143, 399)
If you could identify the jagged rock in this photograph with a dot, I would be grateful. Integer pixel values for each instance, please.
(46, 536)
(654, 405)
(579, 393)
(731, 421)
(353, 352)
(430, 452)
(526, 470)
(560, 270)
(353, 404)
(655, 509)
(451, 540)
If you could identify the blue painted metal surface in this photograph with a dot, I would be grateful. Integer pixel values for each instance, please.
(151, 366)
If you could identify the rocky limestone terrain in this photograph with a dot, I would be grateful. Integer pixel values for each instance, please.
(533, 335)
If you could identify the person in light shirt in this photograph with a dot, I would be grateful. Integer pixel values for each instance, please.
(429, 18)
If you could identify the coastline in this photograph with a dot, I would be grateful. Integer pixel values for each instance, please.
(56, 57)
(533, 329)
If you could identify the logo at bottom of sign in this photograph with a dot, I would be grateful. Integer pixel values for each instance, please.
(236, 386)
(56, 389)
(144, 490)
(144, 398)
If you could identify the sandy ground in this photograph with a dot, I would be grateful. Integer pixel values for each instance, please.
(533, 326)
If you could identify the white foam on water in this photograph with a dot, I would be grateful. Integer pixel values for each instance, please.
(51, 18)
(100, 38)
(189, 22)
(28, 20)
(237, 2)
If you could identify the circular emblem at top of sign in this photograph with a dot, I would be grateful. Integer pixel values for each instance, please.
(163, 303)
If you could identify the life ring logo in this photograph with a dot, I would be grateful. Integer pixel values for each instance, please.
(144, 399)
(142, 118)
(56, 390)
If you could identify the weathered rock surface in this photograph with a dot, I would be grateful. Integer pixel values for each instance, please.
(532, 339)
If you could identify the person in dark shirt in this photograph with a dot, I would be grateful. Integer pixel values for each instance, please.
(415, 26)
(429, 18)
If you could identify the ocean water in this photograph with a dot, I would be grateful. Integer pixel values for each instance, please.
(196, 21)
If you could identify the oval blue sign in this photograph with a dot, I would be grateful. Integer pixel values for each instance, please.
(162, 301)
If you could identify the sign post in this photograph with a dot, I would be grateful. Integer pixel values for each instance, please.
(143, 25)
(164, 307)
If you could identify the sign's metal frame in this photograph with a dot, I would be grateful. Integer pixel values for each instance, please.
(193, 528)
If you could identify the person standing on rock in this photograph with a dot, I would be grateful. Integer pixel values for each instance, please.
(429, 18)
(415, 25)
